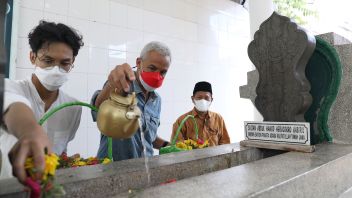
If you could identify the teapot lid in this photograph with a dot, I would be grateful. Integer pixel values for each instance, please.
(129, 99)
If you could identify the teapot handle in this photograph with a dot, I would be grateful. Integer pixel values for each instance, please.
(123, 92)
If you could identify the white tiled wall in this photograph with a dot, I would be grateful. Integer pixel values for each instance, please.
(208, 39)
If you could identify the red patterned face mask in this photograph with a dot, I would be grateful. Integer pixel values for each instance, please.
(151, 80)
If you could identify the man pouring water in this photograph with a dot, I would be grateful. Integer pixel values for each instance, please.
(152, 66)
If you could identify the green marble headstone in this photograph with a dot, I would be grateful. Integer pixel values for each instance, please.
(324, 74)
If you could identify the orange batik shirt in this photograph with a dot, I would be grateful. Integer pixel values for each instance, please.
(211, 127)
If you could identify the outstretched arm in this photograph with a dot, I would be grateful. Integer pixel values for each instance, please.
(32, 139)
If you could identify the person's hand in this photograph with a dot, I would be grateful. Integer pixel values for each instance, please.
(33, 144)
(121, 77)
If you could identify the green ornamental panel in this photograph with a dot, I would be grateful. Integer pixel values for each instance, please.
(324, 74)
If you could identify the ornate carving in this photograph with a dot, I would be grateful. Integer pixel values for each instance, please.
(280, 51)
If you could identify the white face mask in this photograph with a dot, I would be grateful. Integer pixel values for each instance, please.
(202, 105)
(51, 79)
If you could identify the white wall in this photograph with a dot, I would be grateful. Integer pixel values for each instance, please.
(208, 39)
(259, 11)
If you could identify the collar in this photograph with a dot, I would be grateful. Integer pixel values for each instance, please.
(35, 93)
(136, 88)
(34, 90)
(195, 113)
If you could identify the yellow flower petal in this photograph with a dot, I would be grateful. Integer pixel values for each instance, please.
(106, 161)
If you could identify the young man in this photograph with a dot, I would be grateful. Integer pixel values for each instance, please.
(152, 66)
(211, 125)
(53, 51)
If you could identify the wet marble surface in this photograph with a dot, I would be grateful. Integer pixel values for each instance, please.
(324, 173)
(119, 177)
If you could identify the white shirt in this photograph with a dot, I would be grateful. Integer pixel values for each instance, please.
(61, 127)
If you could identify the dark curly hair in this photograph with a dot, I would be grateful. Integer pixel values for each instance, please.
(49, 32)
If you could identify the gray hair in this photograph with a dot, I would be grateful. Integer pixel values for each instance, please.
(157, 46)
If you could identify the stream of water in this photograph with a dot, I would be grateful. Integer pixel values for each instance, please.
(146, 158)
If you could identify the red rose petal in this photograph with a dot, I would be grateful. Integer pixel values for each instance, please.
(34, 186)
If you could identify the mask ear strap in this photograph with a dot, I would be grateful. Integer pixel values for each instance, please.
(34, 58)
(137, 68)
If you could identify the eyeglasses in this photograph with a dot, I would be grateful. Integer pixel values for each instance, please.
(63, 69)
(50, 64)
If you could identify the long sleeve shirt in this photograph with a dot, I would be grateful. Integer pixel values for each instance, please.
(211, 127)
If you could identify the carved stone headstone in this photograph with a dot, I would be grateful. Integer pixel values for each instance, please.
(248, 91)
(335, 125)
(280, 51)
(340, 118)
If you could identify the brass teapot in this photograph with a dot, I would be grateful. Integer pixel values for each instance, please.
(118, 116)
